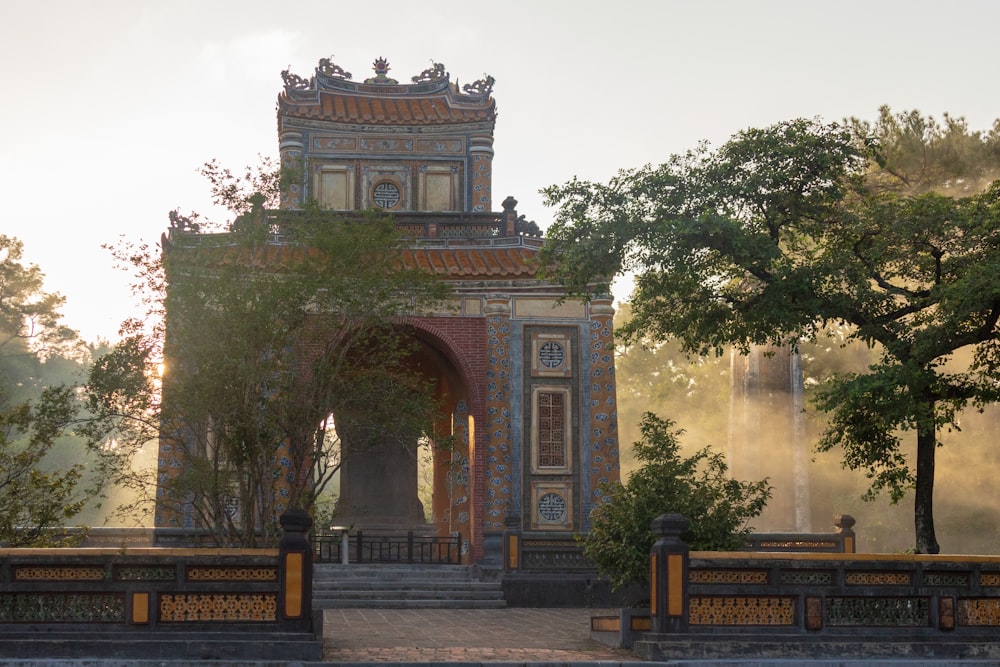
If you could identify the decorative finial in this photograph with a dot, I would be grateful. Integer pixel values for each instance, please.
(381, 66)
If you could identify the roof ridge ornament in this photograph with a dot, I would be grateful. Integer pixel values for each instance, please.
(434, 73)
(331, 69)
(483, 86)
(381, 67)
(294, 81)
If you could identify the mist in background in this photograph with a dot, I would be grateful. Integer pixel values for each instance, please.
(747, 408)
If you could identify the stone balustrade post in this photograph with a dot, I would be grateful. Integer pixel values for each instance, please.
(295, 565)
(512, 542)
(669, 561)
(845, 528)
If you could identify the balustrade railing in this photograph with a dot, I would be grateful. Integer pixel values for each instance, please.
(382, 548)
(815, 593)
(159, 590)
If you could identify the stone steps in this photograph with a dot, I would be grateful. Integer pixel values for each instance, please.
(402, 587)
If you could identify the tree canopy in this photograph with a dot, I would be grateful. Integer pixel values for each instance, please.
(787, 231)
(44, 481)
(286, 318)
(29, 315)
(697, 486)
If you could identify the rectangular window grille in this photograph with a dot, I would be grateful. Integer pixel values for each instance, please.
(551, 430)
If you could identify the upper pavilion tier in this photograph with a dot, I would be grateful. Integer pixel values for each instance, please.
(430, 99)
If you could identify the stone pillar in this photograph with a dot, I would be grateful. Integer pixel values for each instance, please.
(510, 217)
(668, 599)
(512, 543)
(295, 565)
(452, 489)
(499, 492)
(290, 149)
(845, 528)
(603, 463)
(481, 150)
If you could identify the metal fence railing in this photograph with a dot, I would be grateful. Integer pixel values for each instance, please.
(381, 548)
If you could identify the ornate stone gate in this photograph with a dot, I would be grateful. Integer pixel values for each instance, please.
(528, 379)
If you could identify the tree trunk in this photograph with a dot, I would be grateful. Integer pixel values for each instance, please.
(923, 500)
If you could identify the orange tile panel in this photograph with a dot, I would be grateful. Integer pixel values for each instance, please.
(351, 104)
(427, 106)
(391, 109)
(477, 263)
(416, 110)
(404, 111)
(449, 262)
(464, 264)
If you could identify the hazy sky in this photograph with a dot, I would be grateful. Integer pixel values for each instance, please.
(109, 107)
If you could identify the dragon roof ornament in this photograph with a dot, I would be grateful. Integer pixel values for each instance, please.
(332, 77)
(482, 87)
(434, 73)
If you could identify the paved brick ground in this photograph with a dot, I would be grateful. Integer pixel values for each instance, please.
(463, 635)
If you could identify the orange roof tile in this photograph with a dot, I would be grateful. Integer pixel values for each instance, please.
(485, 262)
(482, 262)
(349, 107)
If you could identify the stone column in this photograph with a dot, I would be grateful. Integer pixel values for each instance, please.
(499, 448)
(603, 464)
(668, 599)
(295, 564)
(290, 148)
(481, 151)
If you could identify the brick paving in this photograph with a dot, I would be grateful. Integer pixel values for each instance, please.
(463, 635)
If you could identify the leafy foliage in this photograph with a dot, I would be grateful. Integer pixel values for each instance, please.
(787, 232)
(35, 497)
(46, 476)
(28, 314)
(697, 486)
(919, 154)
(263, 341)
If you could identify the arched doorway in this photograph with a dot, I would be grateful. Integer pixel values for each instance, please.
(379, 473)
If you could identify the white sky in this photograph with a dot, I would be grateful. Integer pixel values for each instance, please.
(110, 106)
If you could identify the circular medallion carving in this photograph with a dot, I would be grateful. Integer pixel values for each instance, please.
(385, 195)
(551, 354)
(552, 507)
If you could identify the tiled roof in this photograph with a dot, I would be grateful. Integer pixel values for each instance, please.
(348, 107)
(469, 262)
(514, 262)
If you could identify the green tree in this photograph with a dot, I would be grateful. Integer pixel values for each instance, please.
(44, 476)
(35, 495)
(697, 486)
(29, 316)
(285, 319)
(779, 235)
(919, 154)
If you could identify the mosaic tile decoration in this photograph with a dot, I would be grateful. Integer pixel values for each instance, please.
(741, 610)
(240, 607)
(603, 406)
(499, 460)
